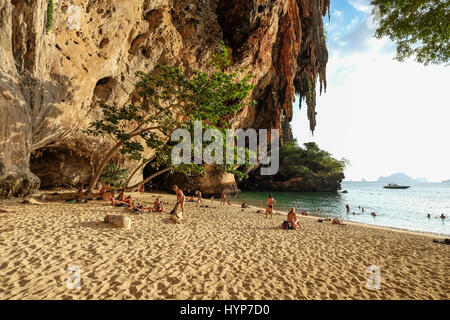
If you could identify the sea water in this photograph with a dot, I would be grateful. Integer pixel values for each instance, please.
(405, 209)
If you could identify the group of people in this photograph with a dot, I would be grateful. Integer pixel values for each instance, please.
(373, 214)
(107, 194)
(442, 216)
(122, 201)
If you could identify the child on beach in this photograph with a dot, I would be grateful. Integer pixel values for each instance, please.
(224, 197)
(157, 206)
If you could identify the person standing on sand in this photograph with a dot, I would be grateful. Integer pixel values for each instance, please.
(199, 197)
(270, 202)
(224, 197)
(180, 200)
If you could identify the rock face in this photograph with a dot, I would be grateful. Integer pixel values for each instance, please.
(51, 83)
(330, 183)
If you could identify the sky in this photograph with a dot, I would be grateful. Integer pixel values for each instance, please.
(382, 115)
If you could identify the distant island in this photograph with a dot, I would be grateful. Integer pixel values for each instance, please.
(400, 178)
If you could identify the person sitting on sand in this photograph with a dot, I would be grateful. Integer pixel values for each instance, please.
(136, 207)
(270, 202)
(224, 197)
(229, 202)
(128, 199)
(304, 213)
(117, 203)
(244, 205)
(107, 192)
(336, 221)
(121, 196)
(157, 206)
(199, 198)
(292, 220)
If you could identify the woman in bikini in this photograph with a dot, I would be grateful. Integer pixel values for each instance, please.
(180, 200)
(292, 219)
(270, 202)
(199, 198)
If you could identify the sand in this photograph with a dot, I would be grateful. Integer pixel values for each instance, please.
(222, 253)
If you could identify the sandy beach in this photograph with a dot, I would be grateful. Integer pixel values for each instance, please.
(222, 253)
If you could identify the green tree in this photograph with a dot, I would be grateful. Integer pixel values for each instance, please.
(420, 28)
(114, 175)
(168, 101)
(310, 160)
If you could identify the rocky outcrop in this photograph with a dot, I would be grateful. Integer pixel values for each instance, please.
(51, 83)
(329, 183)
(213, 185)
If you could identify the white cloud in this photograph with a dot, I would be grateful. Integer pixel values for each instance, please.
(361, 5)
(337, 14)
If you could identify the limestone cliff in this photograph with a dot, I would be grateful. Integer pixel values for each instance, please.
(51, 83)
(329, 183)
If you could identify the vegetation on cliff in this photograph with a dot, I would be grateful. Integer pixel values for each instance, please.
(419, 28)
(49, 23)
(310, 160)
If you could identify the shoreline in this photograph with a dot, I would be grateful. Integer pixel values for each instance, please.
(362, 224)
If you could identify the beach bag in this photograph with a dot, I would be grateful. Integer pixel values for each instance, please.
(287, 225)
(174, 209)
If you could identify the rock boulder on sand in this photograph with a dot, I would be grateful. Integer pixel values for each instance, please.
(118, 221)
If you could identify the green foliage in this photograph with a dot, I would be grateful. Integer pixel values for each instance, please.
(114, 175)
(420, 28)
(169, 101)
(307, 161)
(309, 87)
(325, 34)
(49, 16)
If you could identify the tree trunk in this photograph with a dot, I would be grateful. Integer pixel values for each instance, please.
(148, 179)
(102, 166)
